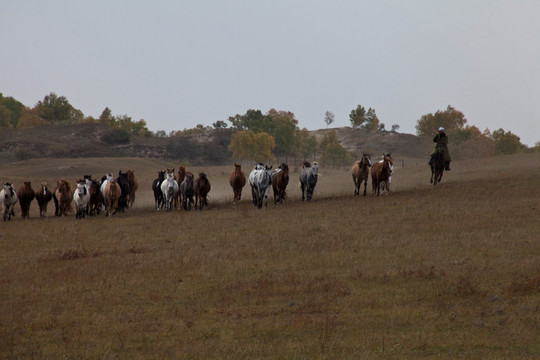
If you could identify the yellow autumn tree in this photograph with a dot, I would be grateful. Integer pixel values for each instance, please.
(249, 146)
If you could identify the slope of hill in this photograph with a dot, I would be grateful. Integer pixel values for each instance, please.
(85, 140)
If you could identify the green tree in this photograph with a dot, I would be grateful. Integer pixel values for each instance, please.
(332, 152)
(450, 119)
(357, 116)
(253, 120)
(371, 121)
(506, 143)
(307, 144)
(284, 131)
(251, 146)
(220, 124)
(106, 117)
(10, 111)
(328, 118)
(57, 110)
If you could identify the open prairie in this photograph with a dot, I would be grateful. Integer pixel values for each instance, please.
(447, 271)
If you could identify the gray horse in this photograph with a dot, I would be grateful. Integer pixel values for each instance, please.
(308, 179)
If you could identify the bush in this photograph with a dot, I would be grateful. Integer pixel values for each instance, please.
(116, 136)
(21, 154)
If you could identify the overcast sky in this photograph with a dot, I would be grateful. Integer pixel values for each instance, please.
(177, 64)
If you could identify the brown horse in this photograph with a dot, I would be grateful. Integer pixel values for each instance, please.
(181, 175)
(43, 196)
(113, 192)
(96, 197)
(133, 186)
(26, 194)
(280, 180)
(237, 181)
(380, 175)
(360, 173)
(201, 187)
(62, 197)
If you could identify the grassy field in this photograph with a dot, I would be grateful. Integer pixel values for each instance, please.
(446, 272)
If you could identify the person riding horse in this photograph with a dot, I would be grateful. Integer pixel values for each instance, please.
(442, 143)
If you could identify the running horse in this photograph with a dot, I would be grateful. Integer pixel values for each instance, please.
(43, 196)
(260, 180)
(437, 166)
(133, 186)
(308, 179)
(237, 181)
(360, 173)
(62, 197)
(8, 198)
(380, 175)
(169, 188)
(26, 194)
(280, 180)
(113, 193)
(201, 188)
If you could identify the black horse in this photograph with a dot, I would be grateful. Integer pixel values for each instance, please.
(437, 166)
(156, 186)
(124, 186)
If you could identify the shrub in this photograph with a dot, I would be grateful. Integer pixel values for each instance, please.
(116, 136)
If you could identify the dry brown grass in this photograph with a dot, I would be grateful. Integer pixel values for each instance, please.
(451, 271)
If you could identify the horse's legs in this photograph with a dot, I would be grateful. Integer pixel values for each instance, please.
(356, 186)
(302, 186)
(365, 186)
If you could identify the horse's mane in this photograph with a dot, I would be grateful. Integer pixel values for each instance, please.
(307, 164)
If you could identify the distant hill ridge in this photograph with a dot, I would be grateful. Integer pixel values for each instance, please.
(85, 140)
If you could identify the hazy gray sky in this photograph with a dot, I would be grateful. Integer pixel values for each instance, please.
(177, 64)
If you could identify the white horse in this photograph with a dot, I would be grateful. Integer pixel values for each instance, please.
(81, 197)
(260, 180)
(169, 188)
(8, 197)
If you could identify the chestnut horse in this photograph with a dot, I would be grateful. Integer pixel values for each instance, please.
(43, 196)
(380, 175)
(201, 187)
(113, 193)
(26, 194)
(237, 181)
(181, 175)
(280, 180)
(62, 197)
(360, 173)
(133, 186)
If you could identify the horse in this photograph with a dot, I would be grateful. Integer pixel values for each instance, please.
(25, 194)
(133, 186)
(179, 178)
(123, 181)
(386, 183)
(360, 173)
(380, 175)
(169, 188)
(187, 191)
(156, 187)
(113, 192)
(201, 188)
(437, 166)
(43, 196)
(81, 197)
(237, 181)
(62, 197)
(8, 197)
(280, 180)
(260, 180)
(96, 197)
(104, 180)
(308, 179)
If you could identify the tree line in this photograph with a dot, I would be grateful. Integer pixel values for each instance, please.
(261, 137)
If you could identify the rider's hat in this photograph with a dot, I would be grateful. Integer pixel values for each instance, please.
(441, 129)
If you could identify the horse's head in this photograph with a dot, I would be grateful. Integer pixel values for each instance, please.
(170, 171)
(8, 188)
(81, 187)
(366, 160)
(238, 167)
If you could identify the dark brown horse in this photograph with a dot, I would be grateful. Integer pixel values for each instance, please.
(280, 180)
(96, 197)
(62, 197)
(437, 166)
(380, 175)
(133, 186)
(201, 187)
(43, 196)
(360, 173)
(26, 194)
(237, 181)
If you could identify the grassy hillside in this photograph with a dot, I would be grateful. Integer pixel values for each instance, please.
(447, 271)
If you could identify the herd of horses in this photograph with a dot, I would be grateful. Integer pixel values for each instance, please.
(182, 190)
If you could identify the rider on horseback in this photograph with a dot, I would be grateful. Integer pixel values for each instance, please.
(442, 142)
